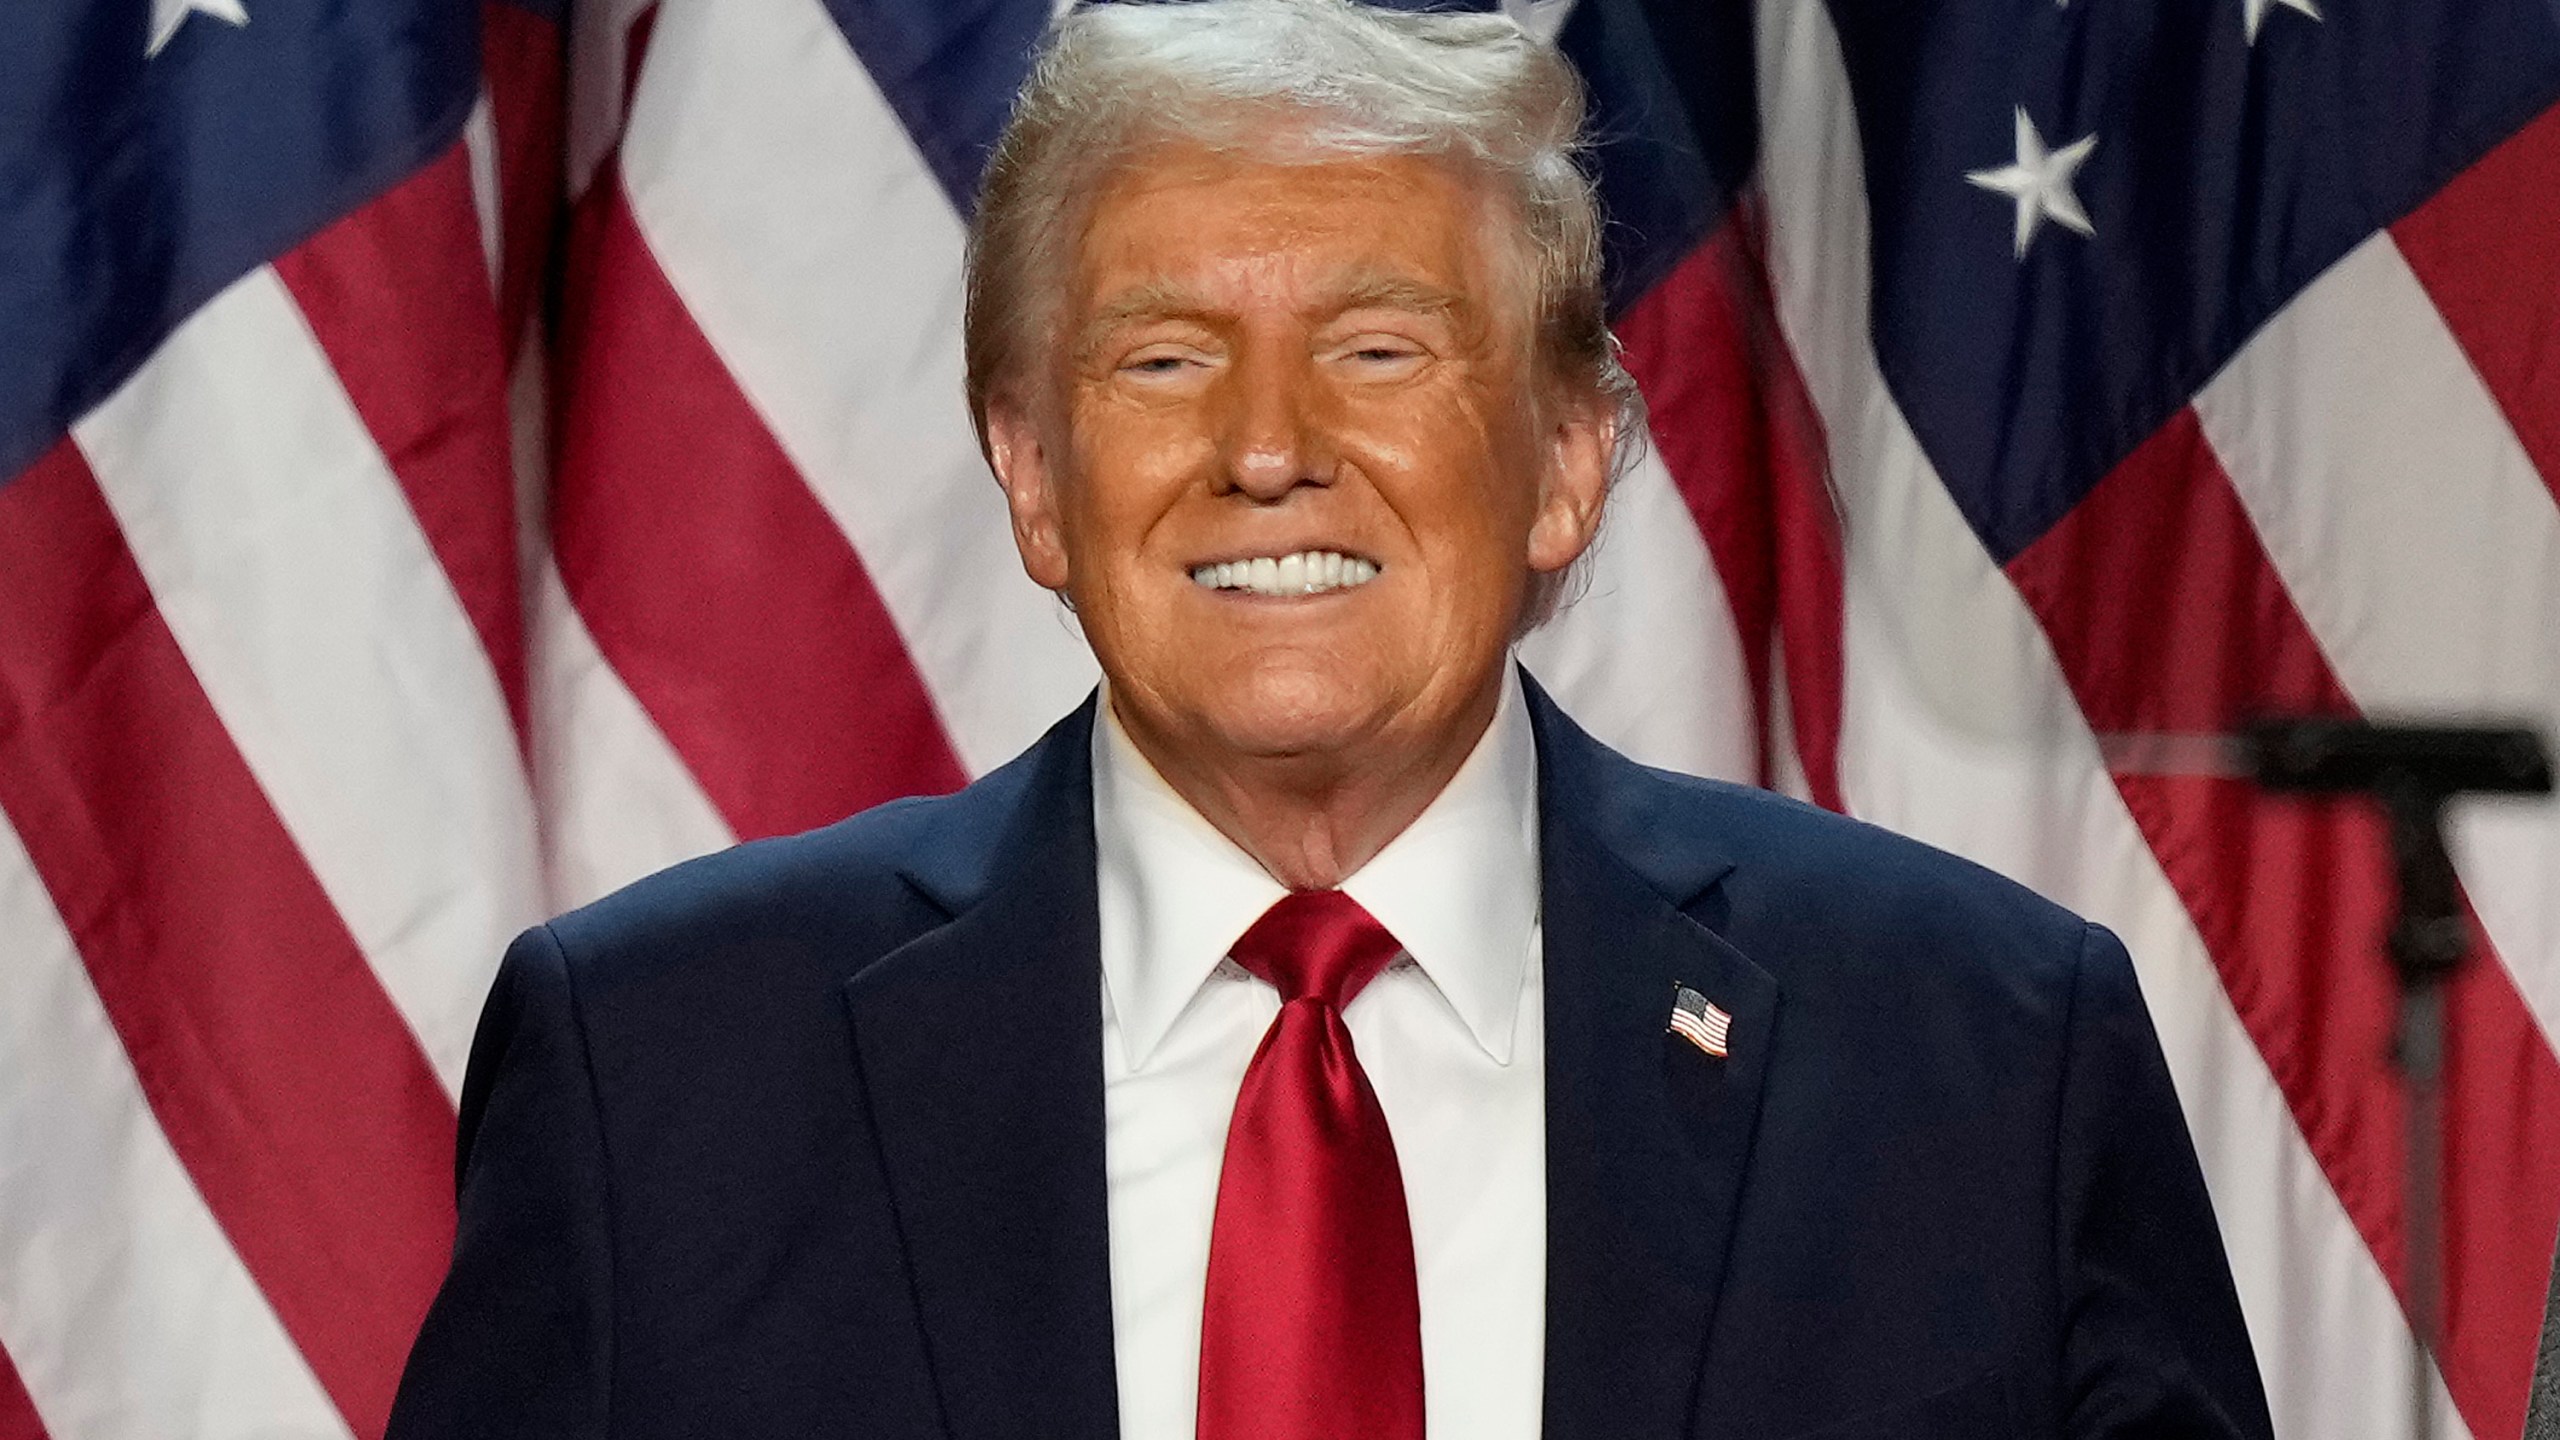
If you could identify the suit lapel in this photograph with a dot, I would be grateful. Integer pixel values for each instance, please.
(979, 1046)
(1647, 1136)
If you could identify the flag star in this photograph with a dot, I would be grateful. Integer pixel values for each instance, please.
(168, 15)
(2040, 181)
(2253, 13)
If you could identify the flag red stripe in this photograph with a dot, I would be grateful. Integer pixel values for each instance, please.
(18, 1418)
(1684, 341)
(398, 295)
(1812, 593)
(2487, 249)
(1738, 432)
(287, 1084)
(709, 574)
(522, 66)
(1812, 590)
(2167, 616)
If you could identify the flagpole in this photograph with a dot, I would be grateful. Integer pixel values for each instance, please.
(2413, 772)
(2429, 940)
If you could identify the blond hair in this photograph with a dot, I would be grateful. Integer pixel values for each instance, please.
(1340, 79)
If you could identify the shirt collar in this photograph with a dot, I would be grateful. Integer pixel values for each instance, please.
(1459, 887)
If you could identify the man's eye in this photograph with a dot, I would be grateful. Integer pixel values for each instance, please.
(1377, 345)
(1383, 358)
(1156, 364)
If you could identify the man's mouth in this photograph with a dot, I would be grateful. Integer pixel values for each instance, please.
(1306, 572)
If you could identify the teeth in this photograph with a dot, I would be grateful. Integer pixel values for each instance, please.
(1308, 572)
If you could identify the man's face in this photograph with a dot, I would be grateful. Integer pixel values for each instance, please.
(1299, 467)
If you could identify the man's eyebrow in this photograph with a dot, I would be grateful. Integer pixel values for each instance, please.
(1155, 300)
(1393, 292)
(1162, 300)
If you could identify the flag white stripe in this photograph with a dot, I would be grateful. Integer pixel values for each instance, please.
(1786, 760)
(331, 644)
(1960, 730)
(2420, 544)
(1682, 698)
(126, 1311)
(759, 152)
(617, 801)
(480, 145)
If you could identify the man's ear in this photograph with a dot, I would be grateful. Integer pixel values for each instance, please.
(1030, 482)
(1580, 448)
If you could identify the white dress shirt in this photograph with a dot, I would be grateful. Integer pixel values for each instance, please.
(1451, 1035)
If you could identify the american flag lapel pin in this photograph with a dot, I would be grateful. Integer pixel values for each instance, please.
(1700, 1021)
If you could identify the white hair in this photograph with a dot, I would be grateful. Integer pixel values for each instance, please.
(1343, 79)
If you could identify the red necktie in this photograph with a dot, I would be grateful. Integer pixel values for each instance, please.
(1313, 1327)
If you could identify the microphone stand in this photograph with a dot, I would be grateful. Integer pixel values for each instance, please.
(2413, 771)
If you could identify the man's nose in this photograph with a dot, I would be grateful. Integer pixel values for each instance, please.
(1272, 444)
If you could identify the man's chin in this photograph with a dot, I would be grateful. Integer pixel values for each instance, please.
(1314, 736)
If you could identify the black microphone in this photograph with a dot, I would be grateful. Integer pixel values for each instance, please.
(2411, 771)
(2330, 756)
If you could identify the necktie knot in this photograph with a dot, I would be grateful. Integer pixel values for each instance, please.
(1317, 945)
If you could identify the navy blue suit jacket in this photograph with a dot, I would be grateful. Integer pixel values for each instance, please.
(806, 1140)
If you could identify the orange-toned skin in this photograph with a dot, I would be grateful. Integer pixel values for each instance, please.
(1257, 358)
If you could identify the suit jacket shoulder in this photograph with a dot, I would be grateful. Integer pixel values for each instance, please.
(837, 897)
(675, 1216)
(1816, 898)
(1940, 1184)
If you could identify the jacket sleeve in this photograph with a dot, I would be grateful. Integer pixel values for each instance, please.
(2153, 1341)
(519, 1340)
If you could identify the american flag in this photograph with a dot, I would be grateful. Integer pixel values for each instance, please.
(456, 458)
(1701, 1022)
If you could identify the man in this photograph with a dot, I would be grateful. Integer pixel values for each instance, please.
(1317, 1035)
